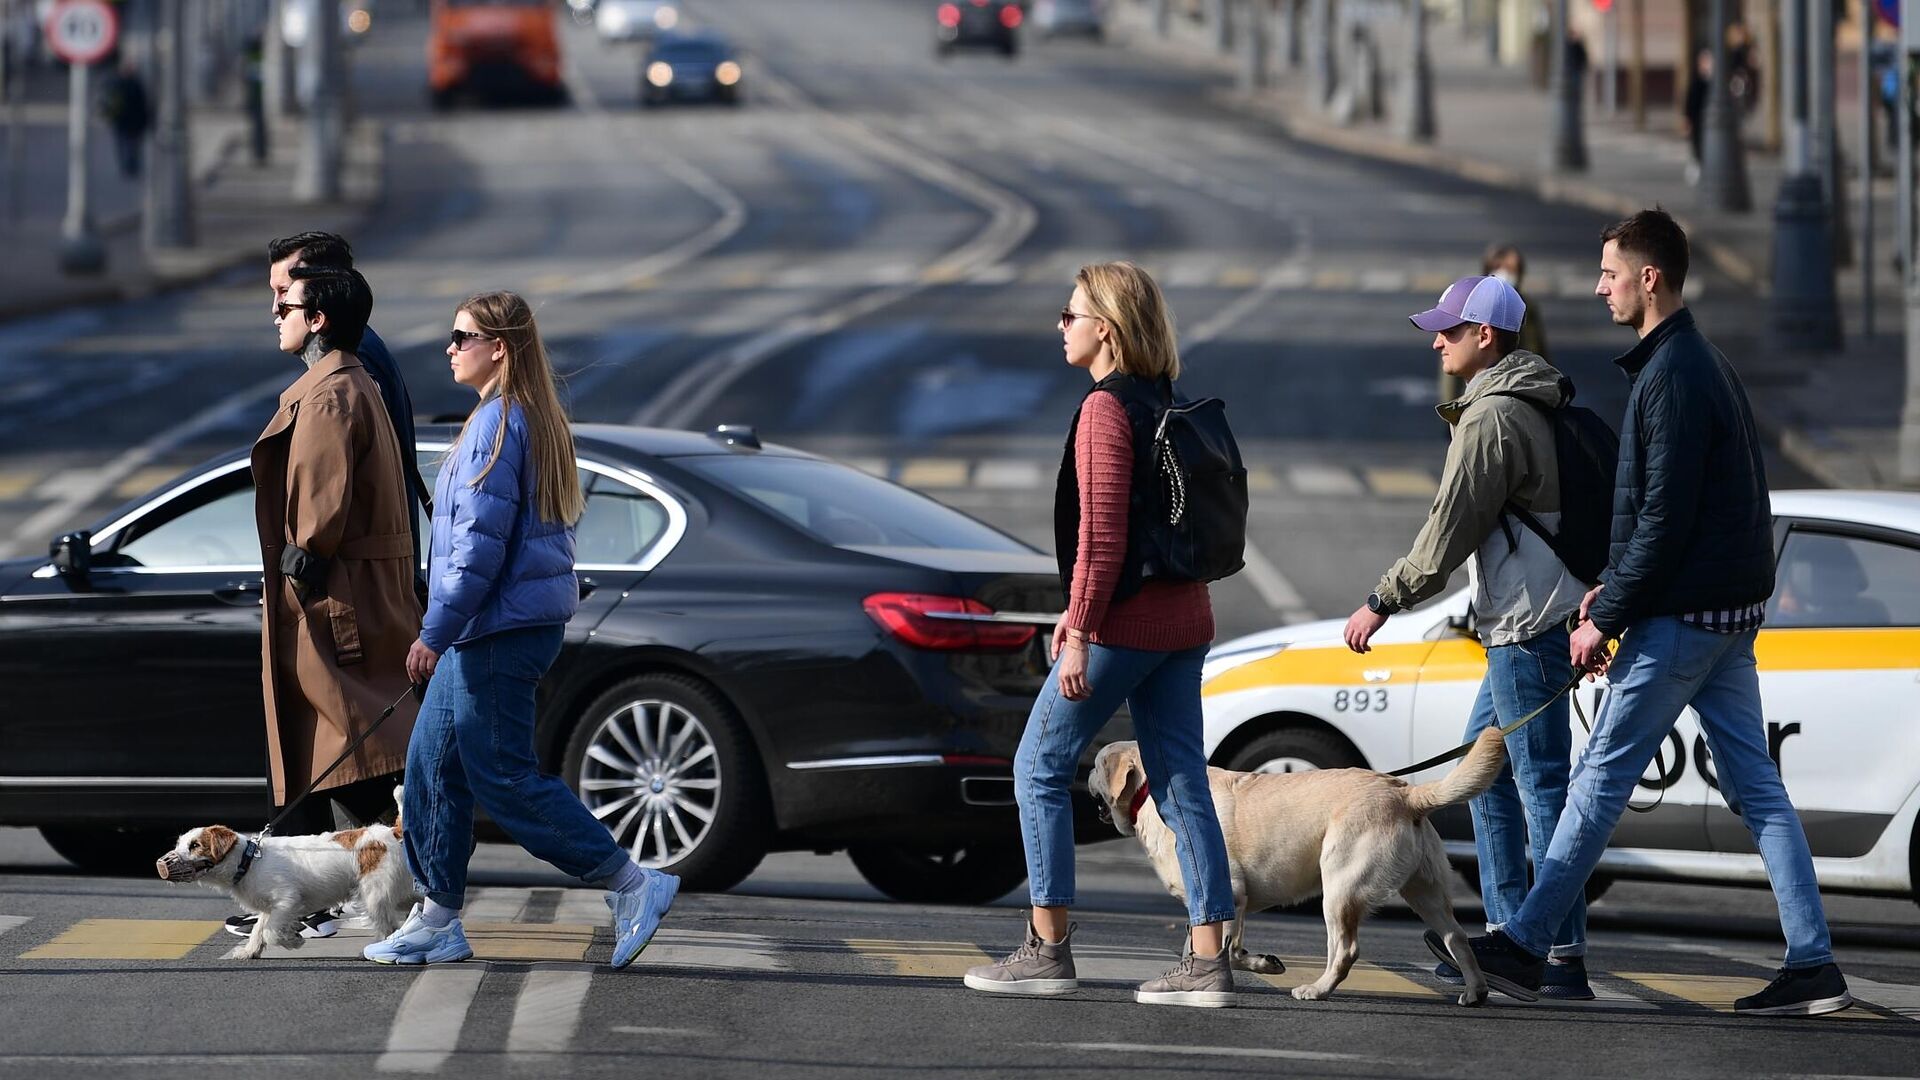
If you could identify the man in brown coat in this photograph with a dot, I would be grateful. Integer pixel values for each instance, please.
(340, 611)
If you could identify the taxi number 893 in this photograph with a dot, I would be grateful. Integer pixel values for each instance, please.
(1360, 701)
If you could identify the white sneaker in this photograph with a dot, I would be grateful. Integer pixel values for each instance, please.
(417, 943)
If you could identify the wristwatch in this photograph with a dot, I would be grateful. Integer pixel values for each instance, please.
(1377, 605)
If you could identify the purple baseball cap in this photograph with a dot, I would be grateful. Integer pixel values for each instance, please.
(1474, 300)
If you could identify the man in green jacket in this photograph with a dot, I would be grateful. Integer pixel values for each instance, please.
(1502, 454)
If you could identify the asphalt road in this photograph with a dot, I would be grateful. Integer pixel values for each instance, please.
(865, 259)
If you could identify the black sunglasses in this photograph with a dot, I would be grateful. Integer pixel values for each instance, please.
(1067, 315)
(281, 308)
(459, 338)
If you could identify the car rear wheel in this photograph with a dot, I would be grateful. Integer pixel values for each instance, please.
(671, 770)
(1292, 750)
(977, 872)
(110, 849)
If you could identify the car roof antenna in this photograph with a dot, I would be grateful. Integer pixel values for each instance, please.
(740, 435)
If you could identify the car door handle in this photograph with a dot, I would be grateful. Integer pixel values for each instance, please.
(587, 585)
(241, 593)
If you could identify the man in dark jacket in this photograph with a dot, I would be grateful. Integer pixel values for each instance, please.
(324, 249)
(1684, 592)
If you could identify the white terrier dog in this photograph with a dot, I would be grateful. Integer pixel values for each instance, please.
(288, 877)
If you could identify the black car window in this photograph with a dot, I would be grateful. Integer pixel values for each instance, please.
(211, 525)
(848, 508)
(692, 53)
(1826, 579)
(620, 524)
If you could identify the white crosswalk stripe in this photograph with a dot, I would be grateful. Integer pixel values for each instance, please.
(547, 1012)
(426, 1027)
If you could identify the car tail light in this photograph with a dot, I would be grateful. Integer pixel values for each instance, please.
(980, 3)
(945, 623)
(949, 15)
(1010, 16)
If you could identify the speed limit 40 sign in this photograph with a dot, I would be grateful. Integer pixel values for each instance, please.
(82, 31)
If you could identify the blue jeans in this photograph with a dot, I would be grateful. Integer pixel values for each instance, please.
(1162, 690)
(473, 743)
(1661, 667)
(1526, 800)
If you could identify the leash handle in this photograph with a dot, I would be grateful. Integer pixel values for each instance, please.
(417, 689)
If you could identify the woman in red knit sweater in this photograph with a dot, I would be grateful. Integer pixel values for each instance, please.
(1126, 636)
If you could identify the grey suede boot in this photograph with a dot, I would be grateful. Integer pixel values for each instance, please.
(1202, 982)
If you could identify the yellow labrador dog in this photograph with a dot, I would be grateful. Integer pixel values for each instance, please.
(1353, 836)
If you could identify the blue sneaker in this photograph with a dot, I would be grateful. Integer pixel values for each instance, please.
(417, 943)
(637, 914)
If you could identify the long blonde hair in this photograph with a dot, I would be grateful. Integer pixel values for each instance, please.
(526, 382)
(1139, 323)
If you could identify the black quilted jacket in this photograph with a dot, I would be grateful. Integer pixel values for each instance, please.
(1692, 526)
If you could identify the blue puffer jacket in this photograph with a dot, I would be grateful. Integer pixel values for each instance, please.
(494, 564)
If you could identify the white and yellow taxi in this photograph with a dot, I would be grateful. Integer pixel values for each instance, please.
(1839, 676)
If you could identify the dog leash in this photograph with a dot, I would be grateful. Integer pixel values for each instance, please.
(252, 851)
(1461, 751)
(1659, 758)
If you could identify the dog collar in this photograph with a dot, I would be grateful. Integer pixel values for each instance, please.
(1133, 808)
(247, 855)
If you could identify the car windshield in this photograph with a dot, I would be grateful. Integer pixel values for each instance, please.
(495, 3)
(845, 507)
(690, 52)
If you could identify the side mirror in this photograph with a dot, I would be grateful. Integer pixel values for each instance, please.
(72, 555)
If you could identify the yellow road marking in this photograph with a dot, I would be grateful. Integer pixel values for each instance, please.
(934, 473)
(1716, 992)
(543, 283)
(643, 282)
(1365, 978)
(126, 939)
(922, 959)
(1238, 277)
(529, 941)
(15, 484)
(744, 279)
(1432, 281)
(1261, 478)
(1336, 280)
(1402, 483)
(145, 480)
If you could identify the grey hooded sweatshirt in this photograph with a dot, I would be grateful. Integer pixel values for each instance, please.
(1502, 450)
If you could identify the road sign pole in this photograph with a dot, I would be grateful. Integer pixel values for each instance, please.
(80, 249)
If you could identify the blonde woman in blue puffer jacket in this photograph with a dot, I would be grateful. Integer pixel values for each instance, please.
(501, 590)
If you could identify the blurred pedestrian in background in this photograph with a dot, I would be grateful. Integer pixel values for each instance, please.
(502, 590)
(124, 106)
(1124, 638)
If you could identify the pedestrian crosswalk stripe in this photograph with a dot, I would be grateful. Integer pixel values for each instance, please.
(1364, 978)
(1239, 277)
(548, 1010)
(1340, 280)
(426, 1027)
(1402, 483)
(497, 904)
(144, 480)
(921, 959)
(1716, 992)
(1323, 480)
(588, 906)
(126, 939)
(1015, 474)
(529, 941)
(710, 949)
(8, 922)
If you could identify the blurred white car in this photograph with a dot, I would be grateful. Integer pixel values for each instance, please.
(1058, 18)
(1839, 678)
(633, 20)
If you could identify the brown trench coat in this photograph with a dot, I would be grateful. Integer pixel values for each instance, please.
(327, 477)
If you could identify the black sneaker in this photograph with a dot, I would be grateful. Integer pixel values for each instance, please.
(1447, 973)
(1566, 980)
(1799, 992)
(320, 924)
(1509, 968)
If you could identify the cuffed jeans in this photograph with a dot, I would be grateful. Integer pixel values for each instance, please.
(473, 742)
(1162, 690)
(1662, 666)
(1518, 812)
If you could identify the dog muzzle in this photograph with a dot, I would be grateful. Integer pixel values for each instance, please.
(174, 866)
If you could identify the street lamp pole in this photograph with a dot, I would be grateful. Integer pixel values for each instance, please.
(81, 251)
(1416, 106)
(318, 178)
(1569, 143)
(1723, 172)
(1805, 313)
(169, 208)
(1254, 26)
(1320, 52)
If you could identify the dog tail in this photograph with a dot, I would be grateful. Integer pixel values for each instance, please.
(1473, 775)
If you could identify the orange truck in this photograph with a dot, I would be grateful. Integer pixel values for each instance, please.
(494, 50)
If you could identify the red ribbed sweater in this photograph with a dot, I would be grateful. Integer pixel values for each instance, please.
(1162, 616)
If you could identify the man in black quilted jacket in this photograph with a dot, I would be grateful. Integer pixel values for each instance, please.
(1684, 592)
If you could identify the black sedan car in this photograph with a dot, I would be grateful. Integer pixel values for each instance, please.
(773, 651)
(977, 24)
(694, 65)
